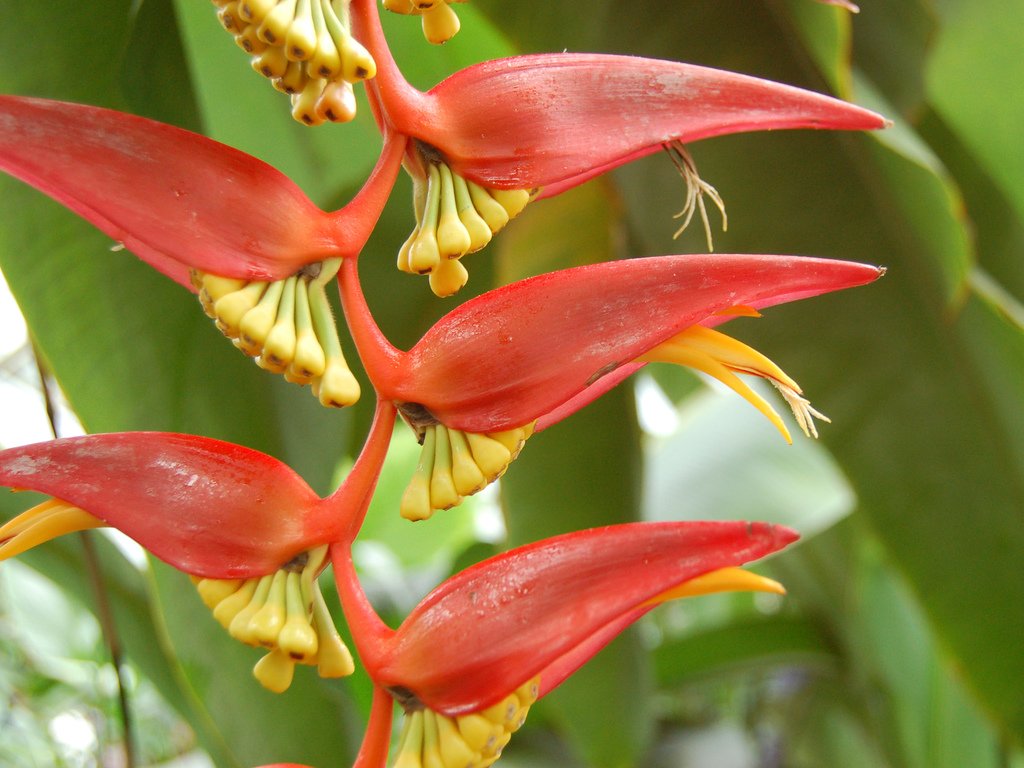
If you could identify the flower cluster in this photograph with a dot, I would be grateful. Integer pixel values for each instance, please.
(488, 376)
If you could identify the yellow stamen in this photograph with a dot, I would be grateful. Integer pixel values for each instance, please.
(722, 580)
(415, 504)
(454, 217)
(431, 739)
(721, 357)
(285, 612)
(696, 189)
(305, 48)
(287, 325)
(41, 523)
(454, 464)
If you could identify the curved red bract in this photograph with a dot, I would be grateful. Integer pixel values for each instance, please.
(174, 198)
(518, 352)
(207, 507)
(562, 118)
(496, 625)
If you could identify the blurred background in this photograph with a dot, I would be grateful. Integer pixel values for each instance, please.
(901, 641)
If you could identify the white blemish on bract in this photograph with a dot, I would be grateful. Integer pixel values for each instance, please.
(26, 466)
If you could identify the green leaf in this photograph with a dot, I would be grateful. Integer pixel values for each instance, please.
(899, 687)
(740, 645)
(978, 44)
(892, 41)
(721, 436)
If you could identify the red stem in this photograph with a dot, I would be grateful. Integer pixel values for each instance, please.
(353, 497)
(398, 100)
(374, 750)
(369, 632)
(381, 359)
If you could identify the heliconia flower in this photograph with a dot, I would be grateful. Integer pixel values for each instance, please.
(306, 50)
(220, 222)
(493, 136)
(473, 656)
(247, 529)
(523, 356)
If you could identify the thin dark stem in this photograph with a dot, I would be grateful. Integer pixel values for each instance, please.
(113, 639)
(95, 572)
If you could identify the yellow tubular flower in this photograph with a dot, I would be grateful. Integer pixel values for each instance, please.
(285, 613)
(286, 325)
(433, 740)
(304, 47)
(455, 464)
(454, 217)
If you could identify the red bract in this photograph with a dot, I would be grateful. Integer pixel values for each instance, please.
(204, 506)
(492, 627)
(516, 353)
(176, 199)
(495, 637)
(555, 120)
(207, 507)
